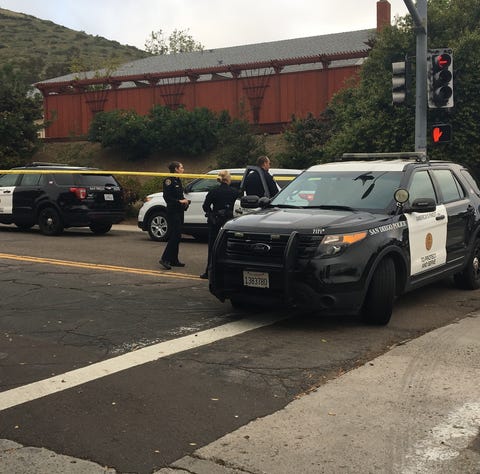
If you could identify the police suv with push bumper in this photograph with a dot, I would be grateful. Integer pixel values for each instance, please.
(351, 236)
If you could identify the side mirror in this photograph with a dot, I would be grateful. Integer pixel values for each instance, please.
(250, 202)
(423, 205)
(264, 202)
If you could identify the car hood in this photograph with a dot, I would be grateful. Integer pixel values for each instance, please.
(305, 220)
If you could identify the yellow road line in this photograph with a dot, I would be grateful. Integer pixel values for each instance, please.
(97, 266)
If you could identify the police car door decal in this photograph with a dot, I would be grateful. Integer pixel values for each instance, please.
(428, 239)
(6, 199)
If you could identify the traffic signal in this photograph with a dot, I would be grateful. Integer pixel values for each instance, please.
(399, 82)
(441, 133)
(440, 78)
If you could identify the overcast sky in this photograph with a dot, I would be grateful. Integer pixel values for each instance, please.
(214, 23)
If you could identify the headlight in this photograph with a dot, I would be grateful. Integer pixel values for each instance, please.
(335, 244)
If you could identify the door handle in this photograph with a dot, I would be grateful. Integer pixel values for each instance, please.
(440, 218)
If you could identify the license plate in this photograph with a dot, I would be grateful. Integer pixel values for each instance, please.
(256, 279)
(108, 197)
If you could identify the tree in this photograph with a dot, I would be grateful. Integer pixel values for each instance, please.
(362, 118)
(179, 41)
(19, 109)
(239, 145)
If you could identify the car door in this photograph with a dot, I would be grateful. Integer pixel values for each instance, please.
(427, 230)
(27, 193)
(460, 212)
(7, 187)
(195, 192)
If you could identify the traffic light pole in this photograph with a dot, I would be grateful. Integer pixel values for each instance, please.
(419, 16)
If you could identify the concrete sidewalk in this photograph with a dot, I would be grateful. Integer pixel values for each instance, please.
(415, 409)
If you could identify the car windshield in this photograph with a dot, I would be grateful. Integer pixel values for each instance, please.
(364, 190)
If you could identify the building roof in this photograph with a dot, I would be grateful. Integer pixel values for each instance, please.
(337, 49)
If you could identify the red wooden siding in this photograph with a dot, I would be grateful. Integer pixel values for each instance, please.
(286, 94)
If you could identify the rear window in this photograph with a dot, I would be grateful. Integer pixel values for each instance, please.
(96, 179)
(66, 179)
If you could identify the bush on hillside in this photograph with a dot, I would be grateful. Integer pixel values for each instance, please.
(305, 139)
(239, 146)
(164, 130)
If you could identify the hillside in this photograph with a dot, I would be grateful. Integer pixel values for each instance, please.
(43, 49)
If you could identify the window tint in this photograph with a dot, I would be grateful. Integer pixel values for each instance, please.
(421, 186)
(67, 179)
(63, 179)
(8, 179)
(203, 185)
(94, 179)
(30, 180)
(471, 181)
(449, 186)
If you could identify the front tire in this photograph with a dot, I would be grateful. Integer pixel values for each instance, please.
(378, 305)
(50, 222)
(158, 228)
(469, 278)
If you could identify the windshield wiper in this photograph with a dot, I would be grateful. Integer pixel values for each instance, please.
(287, 206)
(334, 207)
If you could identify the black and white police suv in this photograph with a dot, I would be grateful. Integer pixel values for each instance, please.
(59, 196)
(350, 236)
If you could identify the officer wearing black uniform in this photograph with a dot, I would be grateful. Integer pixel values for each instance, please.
(218, 207)
(253, 183)
(176, 206)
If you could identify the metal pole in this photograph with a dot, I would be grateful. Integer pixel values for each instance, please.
(419, 16)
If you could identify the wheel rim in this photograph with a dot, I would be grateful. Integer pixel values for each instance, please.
(476, 265)
(159, 226)
(48, 222)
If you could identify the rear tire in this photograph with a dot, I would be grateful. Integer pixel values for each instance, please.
(100, 228)
(469, 278)
(158, 228)
(50, 222)
(378, 305)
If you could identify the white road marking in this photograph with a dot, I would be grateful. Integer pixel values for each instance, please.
(58, 383)
(446, 440)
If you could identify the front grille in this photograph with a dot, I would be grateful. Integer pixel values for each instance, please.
(268, 248)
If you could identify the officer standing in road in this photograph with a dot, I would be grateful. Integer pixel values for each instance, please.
(176, 207)
(218, 207)
(253, 182)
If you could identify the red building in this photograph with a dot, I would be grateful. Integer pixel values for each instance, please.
(270, 82)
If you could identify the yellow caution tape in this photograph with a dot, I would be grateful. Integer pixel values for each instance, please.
(129, 173)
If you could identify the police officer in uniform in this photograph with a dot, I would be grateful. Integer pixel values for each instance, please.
(253, 183)
(218, 207)
(176, 206)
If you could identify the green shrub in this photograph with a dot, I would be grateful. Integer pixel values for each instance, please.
(121, 129)
(238, 145)
(305, 139)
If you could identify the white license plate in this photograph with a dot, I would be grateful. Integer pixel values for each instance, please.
(256, 279)
(108, 197)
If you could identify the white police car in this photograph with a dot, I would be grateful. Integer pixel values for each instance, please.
(152, 216)
(349, 237)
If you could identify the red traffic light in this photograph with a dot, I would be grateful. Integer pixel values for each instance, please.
(442, 61)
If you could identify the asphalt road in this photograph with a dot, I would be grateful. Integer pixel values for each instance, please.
(80, 301)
